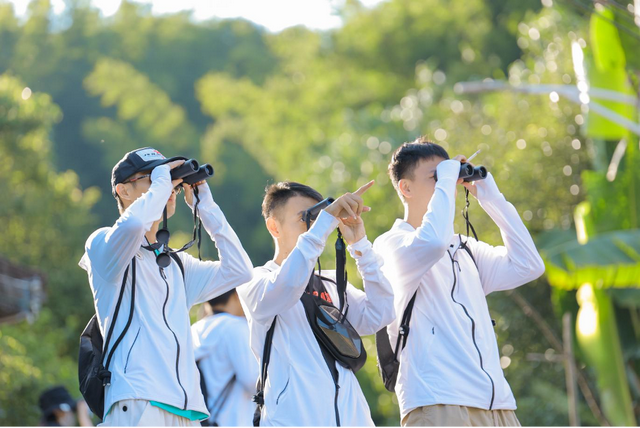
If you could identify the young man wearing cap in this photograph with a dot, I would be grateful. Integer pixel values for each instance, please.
(154, 379)
(301, 387)
(229, 370)
(450, 370)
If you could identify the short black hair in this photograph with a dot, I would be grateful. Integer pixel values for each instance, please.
(276, 195)
(222, 299)
(405, 159)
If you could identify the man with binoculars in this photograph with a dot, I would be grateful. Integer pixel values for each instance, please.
(304, 330)
(154, 379)
(449, 364)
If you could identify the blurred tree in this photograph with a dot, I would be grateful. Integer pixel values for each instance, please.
(33, 358)
(46, 216)
(146, 115)
(46, 219)
(325, 108)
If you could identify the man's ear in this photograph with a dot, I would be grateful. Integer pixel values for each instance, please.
(123, 192)
(272, 227)
(404, 186)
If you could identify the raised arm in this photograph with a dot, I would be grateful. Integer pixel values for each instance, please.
(410, 255)
(205, 280)
(517, 262)
(271, 293)
(111, 249)
(371, 309)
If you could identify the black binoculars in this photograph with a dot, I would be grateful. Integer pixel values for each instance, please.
(191, 172)
(312, 213)
(468, 173)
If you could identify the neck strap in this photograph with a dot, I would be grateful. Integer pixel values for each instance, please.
(465, 215)
(163, 247)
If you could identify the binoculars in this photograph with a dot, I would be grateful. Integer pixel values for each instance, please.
(468, 173)
(312, 213)
(191, 172)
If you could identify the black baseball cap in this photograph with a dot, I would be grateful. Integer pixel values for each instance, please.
(56, 398)
(144, 159)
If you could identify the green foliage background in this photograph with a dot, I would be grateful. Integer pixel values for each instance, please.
(324, 108)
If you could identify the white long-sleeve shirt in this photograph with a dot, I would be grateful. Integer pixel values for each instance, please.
(155, 359)
(300, 390)
(451, 356)
(221, 345)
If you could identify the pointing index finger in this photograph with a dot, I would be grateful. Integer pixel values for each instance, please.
(364, 188)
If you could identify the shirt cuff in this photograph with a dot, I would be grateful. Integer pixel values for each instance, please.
(448, 170)
(162, 172)
(361, 246)
(369, 262)
(488, 190)
(161, 179)
(324, 225)
(206, 199)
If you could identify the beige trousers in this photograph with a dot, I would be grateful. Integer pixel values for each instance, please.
(141, 413)
(461, 416)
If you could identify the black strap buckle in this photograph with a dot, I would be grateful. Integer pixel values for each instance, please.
(105, 375)
(258, 398)
(404, 330)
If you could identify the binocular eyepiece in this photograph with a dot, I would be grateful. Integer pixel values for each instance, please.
(191, 172)
(468, 173)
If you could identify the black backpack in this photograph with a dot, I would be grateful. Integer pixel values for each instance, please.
(93, 371)
(388, 364)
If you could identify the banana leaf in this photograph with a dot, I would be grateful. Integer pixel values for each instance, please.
(609, 260)
(606, 70)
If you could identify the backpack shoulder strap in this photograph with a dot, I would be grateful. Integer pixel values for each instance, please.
(465, 246)
(203, 383)
(262, 380)
(221, 400)
(178, 261)
(117, 310)
(403, 334)
(107, 377)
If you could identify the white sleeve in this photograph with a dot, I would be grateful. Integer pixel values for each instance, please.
(371, 309)
(205, 280)
(271, 293)
(517, 262)
(111, 250)
(408, 256)
(245, 366)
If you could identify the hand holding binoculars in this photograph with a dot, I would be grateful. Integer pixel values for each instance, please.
(191, 172)
(312, 213)
(469, 173)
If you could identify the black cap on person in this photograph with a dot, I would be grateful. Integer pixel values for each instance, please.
(56, 398)
(144, 159)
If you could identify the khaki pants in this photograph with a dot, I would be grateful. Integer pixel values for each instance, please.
(141, 413)
(461, 416)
